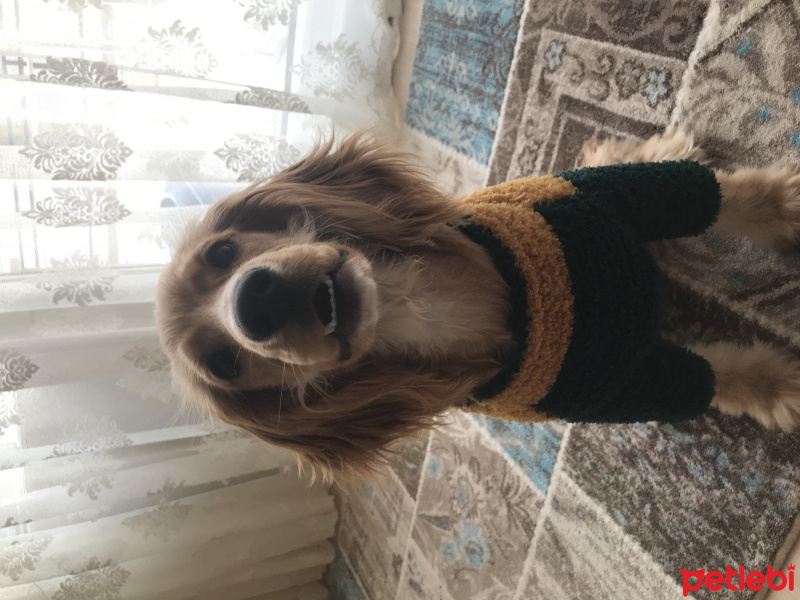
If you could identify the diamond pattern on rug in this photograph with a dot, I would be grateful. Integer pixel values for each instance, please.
(581, 552)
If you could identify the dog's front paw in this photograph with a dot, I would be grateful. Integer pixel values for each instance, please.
(759, 380)
(763, 204)
(788, 236)
(601, 152)
(673, 144)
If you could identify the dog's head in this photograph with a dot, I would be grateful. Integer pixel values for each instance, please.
(269, 308)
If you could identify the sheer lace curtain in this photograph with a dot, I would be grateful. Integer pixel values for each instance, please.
(121, 120)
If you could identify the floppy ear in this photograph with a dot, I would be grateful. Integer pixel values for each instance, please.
(362, 190)
(349, 429)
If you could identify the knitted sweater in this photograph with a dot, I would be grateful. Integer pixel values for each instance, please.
(587, 298)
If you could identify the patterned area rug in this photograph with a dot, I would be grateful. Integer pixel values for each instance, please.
(493, 510)
(460, 72)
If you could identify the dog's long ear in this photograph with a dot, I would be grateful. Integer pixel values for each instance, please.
(348, 429)
(363, 191)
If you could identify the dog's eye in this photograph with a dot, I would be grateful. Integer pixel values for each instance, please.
(223, 364)
(221, 255)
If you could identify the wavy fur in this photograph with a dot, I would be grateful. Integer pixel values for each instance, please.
(432, 309)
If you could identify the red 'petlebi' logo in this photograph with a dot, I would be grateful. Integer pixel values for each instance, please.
(738, 580)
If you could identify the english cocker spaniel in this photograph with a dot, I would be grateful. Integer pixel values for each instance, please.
(339, 306)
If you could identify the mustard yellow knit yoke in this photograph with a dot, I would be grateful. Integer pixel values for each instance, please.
(587, 298)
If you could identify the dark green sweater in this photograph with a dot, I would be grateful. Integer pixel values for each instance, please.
(587, 298)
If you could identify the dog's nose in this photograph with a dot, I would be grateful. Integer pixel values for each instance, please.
(261, 304)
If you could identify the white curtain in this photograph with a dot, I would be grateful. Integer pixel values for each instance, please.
(121, 120)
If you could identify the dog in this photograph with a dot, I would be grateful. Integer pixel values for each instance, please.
(338, 307)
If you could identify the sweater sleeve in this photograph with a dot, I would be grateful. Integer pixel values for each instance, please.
(662, 200)
(670, 384)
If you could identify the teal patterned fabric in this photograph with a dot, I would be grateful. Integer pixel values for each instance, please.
(460, 71)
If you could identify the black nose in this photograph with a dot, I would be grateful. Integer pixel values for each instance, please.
(261, 304)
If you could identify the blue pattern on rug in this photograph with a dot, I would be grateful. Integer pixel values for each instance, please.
(460, 71)
(534, 446)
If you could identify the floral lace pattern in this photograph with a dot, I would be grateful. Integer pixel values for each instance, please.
(92, 473)
(273, 99)
(256, 157)
(78, 151)
(267, 13)
(98, 581)
(65, 281)
(15, 370)
(78, 206)
(161, 522)
(334, 69)
(149, 357)
(92, 434)
(21, 556)
(177, 49)
(81, 73)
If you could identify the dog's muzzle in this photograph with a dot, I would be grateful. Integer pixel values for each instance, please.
(261, 304)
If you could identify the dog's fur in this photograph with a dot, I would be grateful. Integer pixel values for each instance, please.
(422, 309)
